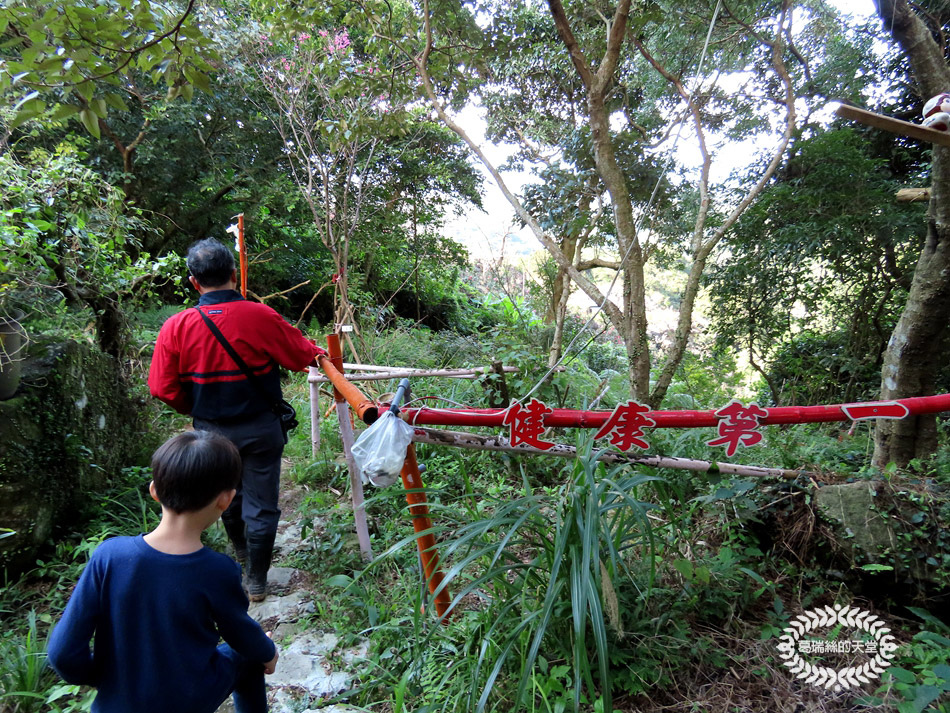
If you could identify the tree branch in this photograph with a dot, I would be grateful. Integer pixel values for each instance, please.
(573, 49)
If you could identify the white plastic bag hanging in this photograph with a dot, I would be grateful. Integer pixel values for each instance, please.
(380, 450)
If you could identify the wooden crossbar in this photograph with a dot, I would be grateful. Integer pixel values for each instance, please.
(895, 126)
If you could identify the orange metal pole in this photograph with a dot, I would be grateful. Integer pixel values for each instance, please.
(365, 409)
(419, 511)
(411, 477)
(242, 251)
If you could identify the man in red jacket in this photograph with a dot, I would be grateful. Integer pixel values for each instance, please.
(193, 373)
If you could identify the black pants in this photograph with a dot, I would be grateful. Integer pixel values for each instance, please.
(261, 443)
(248, 689)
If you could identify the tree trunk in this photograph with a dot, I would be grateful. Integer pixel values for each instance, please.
(560, 293)
(633, 325)
(915, 351)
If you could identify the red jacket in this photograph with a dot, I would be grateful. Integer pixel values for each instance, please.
(193, 373)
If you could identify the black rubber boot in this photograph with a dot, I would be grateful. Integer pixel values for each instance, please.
(260, 548)
(234, 526)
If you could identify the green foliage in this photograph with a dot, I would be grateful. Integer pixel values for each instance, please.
(126, 509)
(376, 177)
(23, 673)
(826, 250)
(80, 59)
(920, 546)
(820, 368)
(920, 676)
(552, 563)
(67, 236)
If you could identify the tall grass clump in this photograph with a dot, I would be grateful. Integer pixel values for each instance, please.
(552, 566)
(24, 676)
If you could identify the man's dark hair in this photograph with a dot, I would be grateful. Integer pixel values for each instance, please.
(193, 468)
(210, 262)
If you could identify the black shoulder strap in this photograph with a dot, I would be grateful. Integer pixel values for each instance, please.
(242, 365)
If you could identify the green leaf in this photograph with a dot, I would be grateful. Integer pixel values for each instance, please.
(684, 567)
(942, 670)
(925, 696)
(90, 121)
(902, 674)
(755, 575)
(57, 692)
(199, 79)
(99, 108)
(29, 111)
(64, 111)
(877, 568)
(116, 102)
(930, 619)
(86, 90)
(339, 580)
(27, 98)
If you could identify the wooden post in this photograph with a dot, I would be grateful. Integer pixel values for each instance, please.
(346, 435)
(314, 412)
(895, 126)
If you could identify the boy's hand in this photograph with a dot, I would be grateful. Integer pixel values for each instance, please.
(271, 665)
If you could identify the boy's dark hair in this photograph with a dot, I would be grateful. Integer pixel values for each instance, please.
(210, 262)
(193, 468)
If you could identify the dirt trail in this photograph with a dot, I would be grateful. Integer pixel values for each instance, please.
(312, 665)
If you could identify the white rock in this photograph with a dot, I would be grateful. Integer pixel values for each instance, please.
(279, 577)
(287, 608)
(303, 664)
(289, 539)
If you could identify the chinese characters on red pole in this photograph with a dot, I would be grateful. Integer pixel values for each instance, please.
(527, 424)
(737, 426)
(624, 428)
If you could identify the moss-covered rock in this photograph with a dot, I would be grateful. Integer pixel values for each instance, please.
(71, 427)
(897, 529)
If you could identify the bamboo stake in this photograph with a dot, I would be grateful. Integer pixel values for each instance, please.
(449, 373)
(346, 435)
(314, 412)
(459, 439)
(895, 126)
(913, 195)
(374, 367)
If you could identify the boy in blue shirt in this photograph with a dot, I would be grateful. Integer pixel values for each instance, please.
(157, 605)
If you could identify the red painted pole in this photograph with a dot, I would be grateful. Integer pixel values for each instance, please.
(570, 418)
(242, 252)
(419, 511)
(411, 477)
(333, 367)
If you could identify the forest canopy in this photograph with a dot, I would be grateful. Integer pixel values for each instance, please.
(703, 232)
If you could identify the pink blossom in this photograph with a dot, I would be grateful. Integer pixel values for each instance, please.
(341, 41)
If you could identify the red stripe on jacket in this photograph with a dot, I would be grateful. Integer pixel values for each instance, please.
(193, 373)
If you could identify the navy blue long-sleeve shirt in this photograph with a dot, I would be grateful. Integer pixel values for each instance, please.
(155, 619)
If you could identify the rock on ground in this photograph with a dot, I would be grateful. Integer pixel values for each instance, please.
(312, 667)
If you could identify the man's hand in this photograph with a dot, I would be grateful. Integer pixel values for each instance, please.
(271, 665)
(320, 352)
